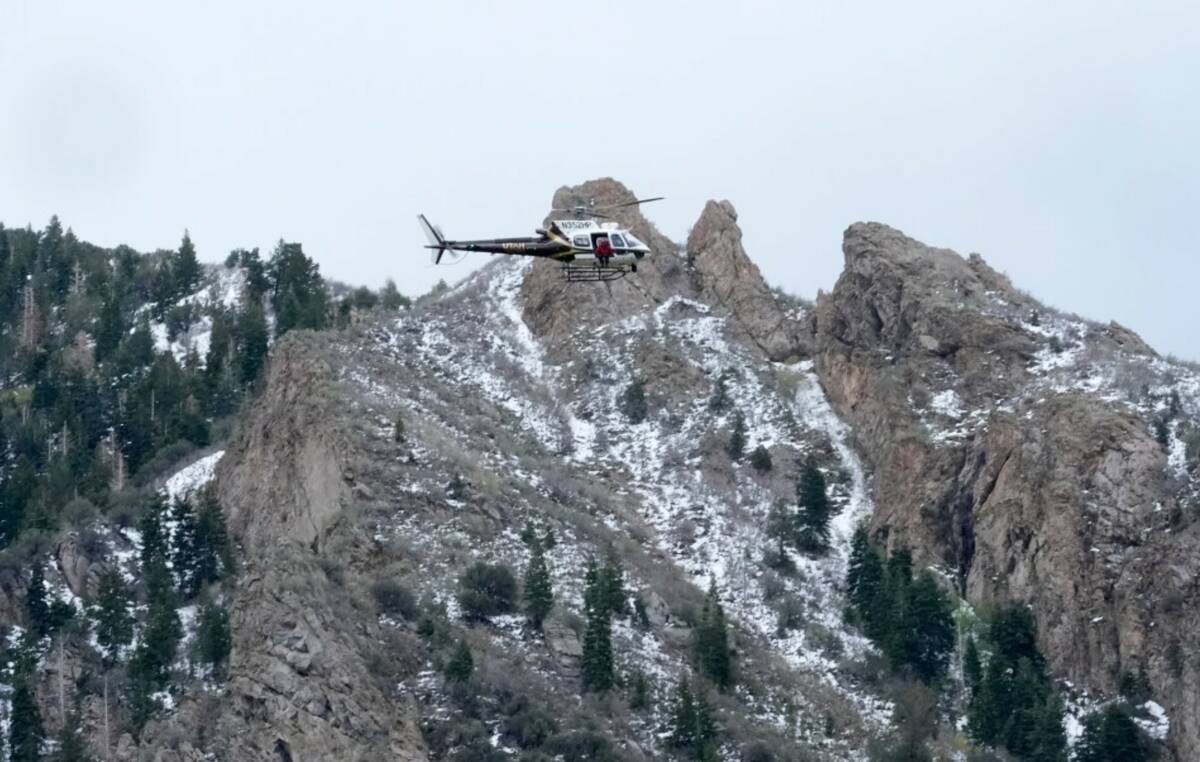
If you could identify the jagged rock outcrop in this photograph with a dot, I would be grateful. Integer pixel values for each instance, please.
(727, 277)
(290, 439)
(299, 684)
(554, 309)
(715, 270)
(1015, 448)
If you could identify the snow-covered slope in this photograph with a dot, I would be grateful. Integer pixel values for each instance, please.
(663, 490)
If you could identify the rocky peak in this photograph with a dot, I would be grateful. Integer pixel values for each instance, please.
(1014, 445)
(553, 309)
(903, 294)
(726, 277)
(716, 271)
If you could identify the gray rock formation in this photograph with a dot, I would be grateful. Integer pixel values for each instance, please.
(1014, 446)
(727, 277)
(715, 270)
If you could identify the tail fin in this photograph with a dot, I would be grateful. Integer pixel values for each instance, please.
(437, 241)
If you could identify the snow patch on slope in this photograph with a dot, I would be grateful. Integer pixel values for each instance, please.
(187, 480)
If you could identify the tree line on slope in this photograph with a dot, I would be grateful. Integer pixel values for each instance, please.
(183, 565)
(89, 402)
(93, 410)
(1012, 702)
(491, 590)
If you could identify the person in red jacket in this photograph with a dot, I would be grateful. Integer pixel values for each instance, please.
(604, 249)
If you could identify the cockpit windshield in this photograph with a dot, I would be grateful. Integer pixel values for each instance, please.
(633, 243)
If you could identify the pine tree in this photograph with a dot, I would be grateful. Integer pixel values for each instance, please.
(705, 746)
(114, 621)
(110, 327)
(683, 716)
(1162, 431)
(154, 540)
(987, 712)
(71, 745)
(737, 437)
(812, 531)
(692, 728)
(633, 401)
(870, 598)
(593, 594)
(25, 731)
(860, 546)
(927, 630)
(214, 640)
(36, 605)
(1049, 738)
(1134, 687)
(156, 652)
(760, 459)
(1015, 705)
(252, 342)
(185, 269)
(461, 664)
(142, 685)
(214, 557)
(639, 691)
(895, 638)
(298, 292)
(184, 551)
(780, 532)
(1013, 635)
(390, 297)
(612, 583)
(972, 667)
(529, 534)
(1110, 735)
(597, 662)
(641, 616)
(712, 641)
(539, 595)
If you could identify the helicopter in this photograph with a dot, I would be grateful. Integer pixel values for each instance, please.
(588, 249)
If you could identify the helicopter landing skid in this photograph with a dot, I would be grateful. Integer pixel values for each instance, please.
(596, 273)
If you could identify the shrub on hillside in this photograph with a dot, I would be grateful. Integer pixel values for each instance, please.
(394, 599)
(486, 590)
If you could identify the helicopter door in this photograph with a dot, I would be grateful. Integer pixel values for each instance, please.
(617, 241)
(603, 246)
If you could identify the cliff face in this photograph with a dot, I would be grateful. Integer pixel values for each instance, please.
(1016, 447)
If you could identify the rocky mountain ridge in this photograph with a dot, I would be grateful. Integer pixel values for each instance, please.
(1021, 453)
(1038, 456)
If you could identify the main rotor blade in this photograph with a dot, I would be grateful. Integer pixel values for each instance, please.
(583, 212)
(635, 202)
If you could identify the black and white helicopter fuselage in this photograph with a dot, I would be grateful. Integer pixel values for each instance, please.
(589, 250)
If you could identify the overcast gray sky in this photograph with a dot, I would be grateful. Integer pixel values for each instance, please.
(1061, 140)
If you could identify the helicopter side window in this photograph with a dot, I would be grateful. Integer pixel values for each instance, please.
(617, 240)
(583, 241)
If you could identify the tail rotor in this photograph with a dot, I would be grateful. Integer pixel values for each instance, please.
(438, 245)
